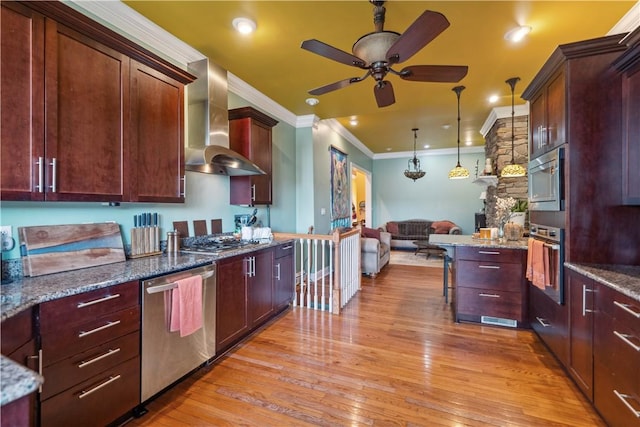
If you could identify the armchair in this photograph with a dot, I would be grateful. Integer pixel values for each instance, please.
(375, 252)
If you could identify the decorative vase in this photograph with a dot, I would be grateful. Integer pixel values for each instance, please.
(513, 231)
(518, 218)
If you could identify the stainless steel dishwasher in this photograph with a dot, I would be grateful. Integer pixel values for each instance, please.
(165, 356)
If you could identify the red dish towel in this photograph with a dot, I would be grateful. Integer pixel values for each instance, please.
(186, 306)
(537, 268)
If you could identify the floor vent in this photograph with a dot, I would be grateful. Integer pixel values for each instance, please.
(498, 321)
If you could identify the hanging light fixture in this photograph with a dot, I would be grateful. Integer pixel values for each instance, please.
(458, 172)
(513, 170)
(413, 168)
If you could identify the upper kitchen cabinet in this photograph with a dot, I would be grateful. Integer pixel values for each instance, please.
(92, 113)
(250, 135)
(562, 92)
(157, 137)
(629, 65)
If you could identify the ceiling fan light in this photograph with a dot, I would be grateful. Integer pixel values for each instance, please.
(373, 47)
(513, 171)
(458, 173)
(517, 34)
(312, 101)
(244, 25)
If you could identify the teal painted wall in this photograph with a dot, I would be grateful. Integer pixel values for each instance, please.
(434, 197)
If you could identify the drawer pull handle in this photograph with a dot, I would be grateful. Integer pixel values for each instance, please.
(626, 308)
(494, 267)
(86, 393)
(624, 398)
(108, 325)
(625, 338)
(543, 322)
(489, 295)
(95, 359)
(284, 248)
(489, 252)
(278, 274)
(96, 301)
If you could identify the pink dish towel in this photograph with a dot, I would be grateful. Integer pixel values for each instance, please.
(536, 263)
(186, 306)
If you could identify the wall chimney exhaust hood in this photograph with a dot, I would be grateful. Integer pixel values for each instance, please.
(208, 125)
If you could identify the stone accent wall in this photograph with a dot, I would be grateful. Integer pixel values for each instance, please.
(498, 149)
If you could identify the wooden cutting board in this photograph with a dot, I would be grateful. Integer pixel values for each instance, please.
(49, 249)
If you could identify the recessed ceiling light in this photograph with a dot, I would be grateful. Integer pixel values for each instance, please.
(446, 126)
(426, 146)
(469, 143)
(517, 34)
(388, 148)
(244, 25)
(493, 99)
(312, 101)
(353, 122)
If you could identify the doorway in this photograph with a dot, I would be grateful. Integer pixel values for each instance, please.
(361, 196)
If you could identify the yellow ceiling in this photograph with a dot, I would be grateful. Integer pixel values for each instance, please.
(272, 61)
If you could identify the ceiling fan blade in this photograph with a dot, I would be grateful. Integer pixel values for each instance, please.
(424, 29)
(333, 86)
(331, 52)
(384, 93)
(434, 73)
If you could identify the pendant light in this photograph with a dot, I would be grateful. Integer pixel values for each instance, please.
(413, 168)
(513, 170)
(458, 172)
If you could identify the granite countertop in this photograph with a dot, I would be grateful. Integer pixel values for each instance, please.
(623, 278)
(467, 240)
(16, 380)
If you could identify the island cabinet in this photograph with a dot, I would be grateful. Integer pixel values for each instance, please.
(90, 123)
(250, 135)
(490, 286)
(90, 356)
(629, 66)
(284, 276)
(582, 311)
(244, 298)
(616, 358)
(19, 344)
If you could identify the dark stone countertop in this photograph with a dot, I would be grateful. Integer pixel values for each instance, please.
(623, 278)
(467, 240)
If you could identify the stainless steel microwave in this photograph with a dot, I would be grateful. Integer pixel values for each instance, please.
(546, 181)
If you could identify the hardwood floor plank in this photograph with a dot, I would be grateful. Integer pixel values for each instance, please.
(394, 357)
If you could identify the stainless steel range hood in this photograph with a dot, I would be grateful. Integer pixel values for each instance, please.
(208, 125)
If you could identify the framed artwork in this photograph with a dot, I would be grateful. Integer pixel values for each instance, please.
(340, 200)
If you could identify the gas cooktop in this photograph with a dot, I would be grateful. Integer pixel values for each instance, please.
(217, 245)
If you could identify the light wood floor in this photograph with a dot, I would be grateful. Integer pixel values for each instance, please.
(393, 358)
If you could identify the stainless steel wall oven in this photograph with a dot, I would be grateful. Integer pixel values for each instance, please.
(553, 241)
(546, 181)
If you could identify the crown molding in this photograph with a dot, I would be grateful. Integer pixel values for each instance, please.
(629, 22)
(501, 113)
(427, 153)
(337, 127)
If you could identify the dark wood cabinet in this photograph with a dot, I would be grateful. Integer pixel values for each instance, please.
(231, 302)
(260, 287)
(629, 66)
(157, 137)
(550, 321)
(616, 357)
(490, 286)
(78, 132)
(548, 129)
(581, 291)
(91, 356)
(284, 276)
(250, 135)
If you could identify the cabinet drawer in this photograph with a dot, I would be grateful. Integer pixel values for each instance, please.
(627, 314)
(480, 302)
(74, 339)
(97, 401)
(85, 365)
(489, 275)
(490, 254)
(84, 307)
(610, 396)
(285, 249)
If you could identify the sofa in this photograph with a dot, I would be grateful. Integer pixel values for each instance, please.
(404, 233)
(375, 250)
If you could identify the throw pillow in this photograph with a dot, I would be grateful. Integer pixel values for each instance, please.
(442, 227)
(370, 232)
(392, 227)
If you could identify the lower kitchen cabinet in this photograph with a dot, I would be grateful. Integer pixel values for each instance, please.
(90, 356)
(284, 276)
(260, 287)
(550, 321)
(581, 316)
(616, 358)
(490, 286)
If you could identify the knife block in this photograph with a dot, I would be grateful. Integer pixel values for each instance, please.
(145, 241)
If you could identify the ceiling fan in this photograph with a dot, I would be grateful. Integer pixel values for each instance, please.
(378, 51)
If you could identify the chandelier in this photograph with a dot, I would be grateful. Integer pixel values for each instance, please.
(513, 170)
(458, 172)
(413, 168)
